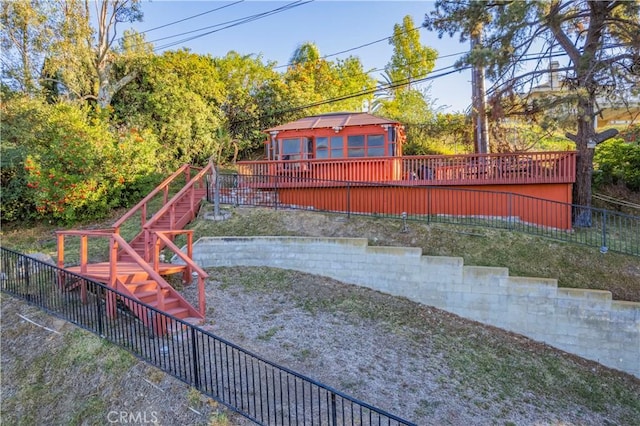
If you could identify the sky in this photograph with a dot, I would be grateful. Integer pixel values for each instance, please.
(334, 26)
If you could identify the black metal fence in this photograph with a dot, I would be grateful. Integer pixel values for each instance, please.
(262, 391)
(608, 230)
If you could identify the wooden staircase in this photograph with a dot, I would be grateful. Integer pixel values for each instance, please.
(136, 268)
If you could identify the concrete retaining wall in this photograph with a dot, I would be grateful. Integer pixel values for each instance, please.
(587, 323)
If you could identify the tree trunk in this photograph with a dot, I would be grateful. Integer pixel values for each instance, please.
(585, 144)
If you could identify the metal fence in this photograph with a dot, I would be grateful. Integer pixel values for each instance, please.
(608, 230)
(260, 390)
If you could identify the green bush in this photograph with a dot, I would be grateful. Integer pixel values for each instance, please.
(617, 161)
(69, 164)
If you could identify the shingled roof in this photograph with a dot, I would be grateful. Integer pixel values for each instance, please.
(331, 120)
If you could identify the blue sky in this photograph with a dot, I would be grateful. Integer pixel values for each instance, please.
(334, 26)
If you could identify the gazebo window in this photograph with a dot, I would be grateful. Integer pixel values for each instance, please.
(375, 146)
(355, 146)
(322, 147)
(337, 144)
(295, 148)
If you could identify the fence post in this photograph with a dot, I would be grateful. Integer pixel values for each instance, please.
(99, 311)
(334, 414)
(196, 364)
(509, 211)
(428, 205)
(216, 192)
(27, 278)
(277, 196)
(603, 247)
(348, 200)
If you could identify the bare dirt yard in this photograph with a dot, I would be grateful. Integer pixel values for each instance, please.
(417, 362)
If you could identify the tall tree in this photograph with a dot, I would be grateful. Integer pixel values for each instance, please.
(24, 40)
(411, 59)
(318, 85)
(178, 96)
(600, 38)
(109, 14)
(253, 93)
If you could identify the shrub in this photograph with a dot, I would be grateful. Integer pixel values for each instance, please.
(71, 165)
(617, 161)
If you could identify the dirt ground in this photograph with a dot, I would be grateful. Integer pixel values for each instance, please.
(321, 328)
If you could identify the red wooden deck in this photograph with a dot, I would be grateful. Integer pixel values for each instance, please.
(101, 271)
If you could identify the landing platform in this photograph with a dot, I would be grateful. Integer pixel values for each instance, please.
(100, 271)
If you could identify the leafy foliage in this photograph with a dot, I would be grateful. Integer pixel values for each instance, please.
(312, 82)
(617, 161)
(66, 165)
(176, 96)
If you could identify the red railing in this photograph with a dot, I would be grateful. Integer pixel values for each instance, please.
(468, 169)
(160, 238)
(142, 206)
(177, 219)
(116, 243)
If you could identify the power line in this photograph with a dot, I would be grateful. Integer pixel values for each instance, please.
(360, 93)
(235, 23)
(191, 17)
(441, 73)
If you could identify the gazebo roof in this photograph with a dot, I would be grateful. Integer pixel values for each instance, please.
(331, 120)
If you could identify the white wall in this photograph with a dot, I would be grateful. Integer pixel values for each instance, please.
(587, 323)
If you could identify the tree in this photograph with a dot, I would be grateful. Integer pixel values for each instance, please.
(600, 39)
(110, 13)
(25, 37)
(398, 99)
(312, 81)
(252, 94)
(176, 95)
(411, 60)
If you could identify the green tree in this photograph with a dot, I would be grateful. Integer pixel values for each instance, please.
(601, 39)
(317, 85)
(398, 99)
(252, 95)
(411, 60)
(177, 96)
(66, 164)
(24, 40)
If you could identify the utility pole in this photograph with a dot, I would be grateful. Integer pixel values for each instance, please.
(479, 109)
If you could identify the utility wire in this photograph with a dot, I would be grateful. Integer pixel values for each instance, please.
(358, 94)
(237, 22)
(188, 18)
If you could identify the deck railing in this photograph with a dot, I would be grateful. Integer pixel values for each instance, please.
(260, 390)
(468, 169)
(610, 230)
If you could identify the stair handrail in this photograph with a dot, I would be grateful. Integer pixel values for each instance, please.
(123, 245)
(191, 265)
(169, 204)
(164, 186)
(116, 242)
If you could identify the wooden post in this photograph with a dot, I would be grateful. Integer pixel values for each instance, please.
(61, 275)
(112, 308)
(84, 254)
(189, 254)
(202, 303)
(156, 253)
